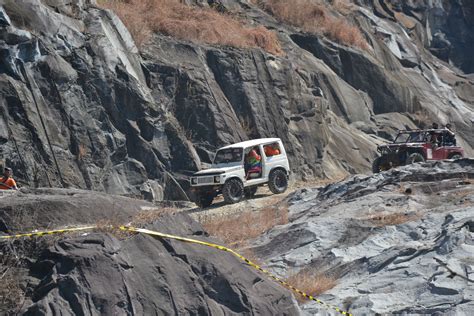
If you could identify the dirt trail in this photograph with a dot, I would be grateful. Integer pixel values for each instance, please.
(263, 198)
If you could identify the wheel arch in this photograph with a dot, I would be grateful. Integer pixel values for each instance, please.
(454, 153)
(279, 168)
(233, 177)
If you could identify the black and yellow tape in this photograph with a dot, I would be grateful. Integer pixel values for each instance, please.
(256, 266)
(48, 232)
(188, 240)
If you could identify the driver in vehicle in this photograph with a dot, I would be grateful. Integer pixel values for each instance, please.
(253, 162)
(450, 137)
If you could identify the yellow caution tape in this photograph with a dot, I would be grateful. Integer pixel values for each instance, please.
(49, 232)
(256, 266)
(189, 240)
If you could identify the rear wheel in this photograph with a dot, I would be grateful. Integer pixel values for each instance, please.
(204, 200)
(414, 158)
(233, 191)
(250, 192)
(456, 156)
(278, 181)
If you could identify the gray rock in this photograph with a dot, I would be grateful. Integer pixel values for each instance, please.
(107, 273)
(4, 19)
(390, 249)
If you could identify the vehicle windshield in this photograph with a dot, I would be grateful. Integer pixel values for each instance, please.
(411, 137)
(228, 155)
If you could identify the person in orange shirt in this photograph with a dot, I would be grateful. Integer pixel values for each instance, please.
(271, 150)
(7, 182)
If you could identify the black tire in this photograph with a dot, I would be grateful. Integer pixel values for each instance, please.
(278, 181)
(204, 200)
(380, 164)
(376, 165)
(250, 192)
(414, 158)
(233, 191)
(456, 156)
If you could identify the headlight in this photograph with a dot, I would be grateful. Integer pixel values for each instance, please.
(217, 179)
(194, 180)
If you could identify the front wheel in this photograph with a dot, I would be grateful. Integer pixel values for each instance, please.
(377, 165)
(414, 158)
(204, 200)
(456, 157)
(233, 191)
(278, 181)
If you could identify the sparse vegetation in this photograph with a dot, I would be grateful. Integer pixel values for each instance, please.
(202, 25)
(381, 220)
(236, 230)
(313, 17)
(311, 282)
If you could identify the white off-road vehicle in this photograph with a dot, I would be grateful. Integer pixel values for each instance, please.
(235, 174)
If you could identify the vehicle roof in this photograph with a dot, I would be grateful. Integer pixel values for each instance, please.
(252, 142)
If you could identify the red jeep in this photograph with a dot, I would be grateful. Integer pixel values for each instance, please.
(417, 146)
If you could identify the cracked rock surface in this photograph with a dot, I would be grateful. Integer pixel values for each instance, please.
(81, 106)
(105, 272)
(400, 241)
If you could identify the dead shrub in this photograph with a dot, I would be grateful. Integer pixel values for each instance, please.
(313, 17)
(201, 25)
(236, 230)
(311, 282)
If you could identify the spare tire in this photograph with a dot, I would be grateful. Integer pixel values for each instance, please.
(233, 191)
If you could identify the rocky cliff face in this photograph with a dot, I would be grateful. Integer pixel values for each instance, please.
(81, 107)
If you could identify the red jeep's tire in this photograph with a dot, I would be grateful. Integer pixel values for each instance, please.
(456, 156)
(414, 158)
(376, 165)
(277, 181)
(233, 191)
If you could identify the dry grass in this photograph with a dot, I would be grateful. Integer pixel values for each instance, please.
(81, 151)
(139, 220)
(381, 220)
(311, 282)
(236, 230)
(313, 17)
(11, 294)
(149, 216)
(201, 25)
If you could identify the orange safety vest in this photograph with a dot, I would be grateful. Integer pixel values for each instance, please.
(7, 183)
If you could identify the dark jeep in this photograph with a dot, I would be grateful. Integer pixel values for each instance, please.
(417, 146)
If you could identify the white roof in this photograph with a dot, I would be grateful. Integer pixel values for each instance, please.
(253, 142)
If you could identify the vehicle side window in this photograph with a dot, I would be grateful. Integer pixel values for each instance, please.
(272, 149)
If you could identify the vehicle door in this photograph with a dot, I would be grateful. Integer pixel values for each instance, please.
(441, 151)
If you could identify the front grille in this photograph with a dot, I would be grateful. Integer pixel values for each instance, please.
(205, 180)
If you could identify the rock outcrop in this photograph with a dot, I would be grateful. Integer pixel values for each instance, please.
(109, 273)
(82, 107)
(397, 242)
